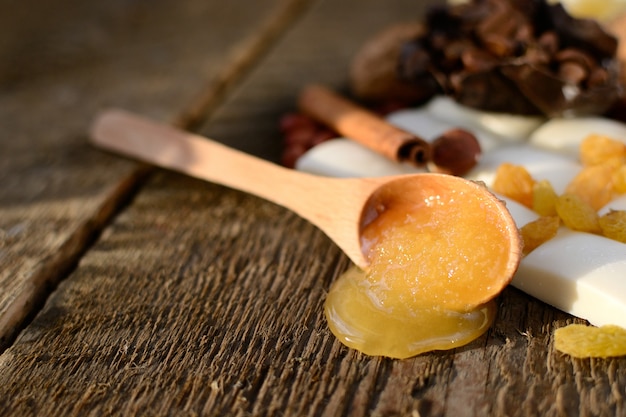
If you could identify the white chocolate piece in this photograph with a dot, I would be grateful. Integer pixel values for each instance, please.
(579, 273)
(350, 159)
(541, 164)
(565, 135)
(344, 158)
(421, 122)
(508, 127)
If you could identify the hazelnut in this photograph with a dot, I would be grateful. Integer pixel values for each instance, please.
(455, 152)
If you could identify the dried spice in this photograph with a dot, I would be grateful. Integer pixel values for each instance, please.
(515, 56)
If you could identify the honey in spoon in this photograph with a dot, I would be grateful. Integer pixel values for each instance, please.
(434, 251)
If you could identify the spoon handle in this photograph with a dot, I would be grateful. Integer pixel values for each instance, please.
(331, 204)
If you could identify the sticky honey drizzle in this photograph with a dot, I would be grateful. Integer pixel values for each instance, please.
(422, 292)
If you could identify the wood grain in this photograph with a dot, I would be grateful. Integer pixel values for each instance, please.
(227, 320)
(58, 66)
(200, 300)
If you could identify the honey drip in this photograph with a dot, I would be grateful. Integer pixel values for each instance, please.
(358, 322)
(422, 292)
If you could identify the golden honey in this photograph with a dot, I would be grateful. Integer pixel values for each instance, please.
(431, 263)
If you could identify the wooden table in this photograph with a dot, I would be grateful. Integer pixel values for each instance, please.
(126, 290)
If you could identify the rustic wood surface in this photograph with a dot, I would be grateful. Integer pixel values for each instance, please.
(60, 65)
(169, 296)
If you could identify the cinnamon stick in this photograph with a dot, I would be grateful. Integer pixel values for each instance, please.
(363, 126)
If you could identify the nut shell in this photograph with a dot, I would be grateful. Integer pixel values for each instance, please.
(373, 72)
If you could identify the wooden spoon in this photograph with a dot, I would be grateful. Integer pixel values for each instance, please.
(339, 207)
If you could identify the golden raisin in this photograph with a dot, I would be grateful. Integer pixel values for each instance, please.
(514, 182)
(577, 214)
(597, 149)
(613, 225)
(581, 341)
(594, 184)
(619, 180)
(538, 232)
(544, 198)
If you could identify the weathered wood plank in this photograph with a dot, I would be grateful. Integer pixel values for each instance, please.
(199, 300)
(60, 64)
(186, 333)
(219, 313)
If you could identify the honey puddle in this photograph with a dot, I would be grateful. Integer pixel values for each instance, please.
(357, 320)
(431, 260)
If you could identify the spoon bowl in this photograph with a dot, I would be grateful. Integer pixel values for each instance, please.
(447, 235)
(341, 207)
